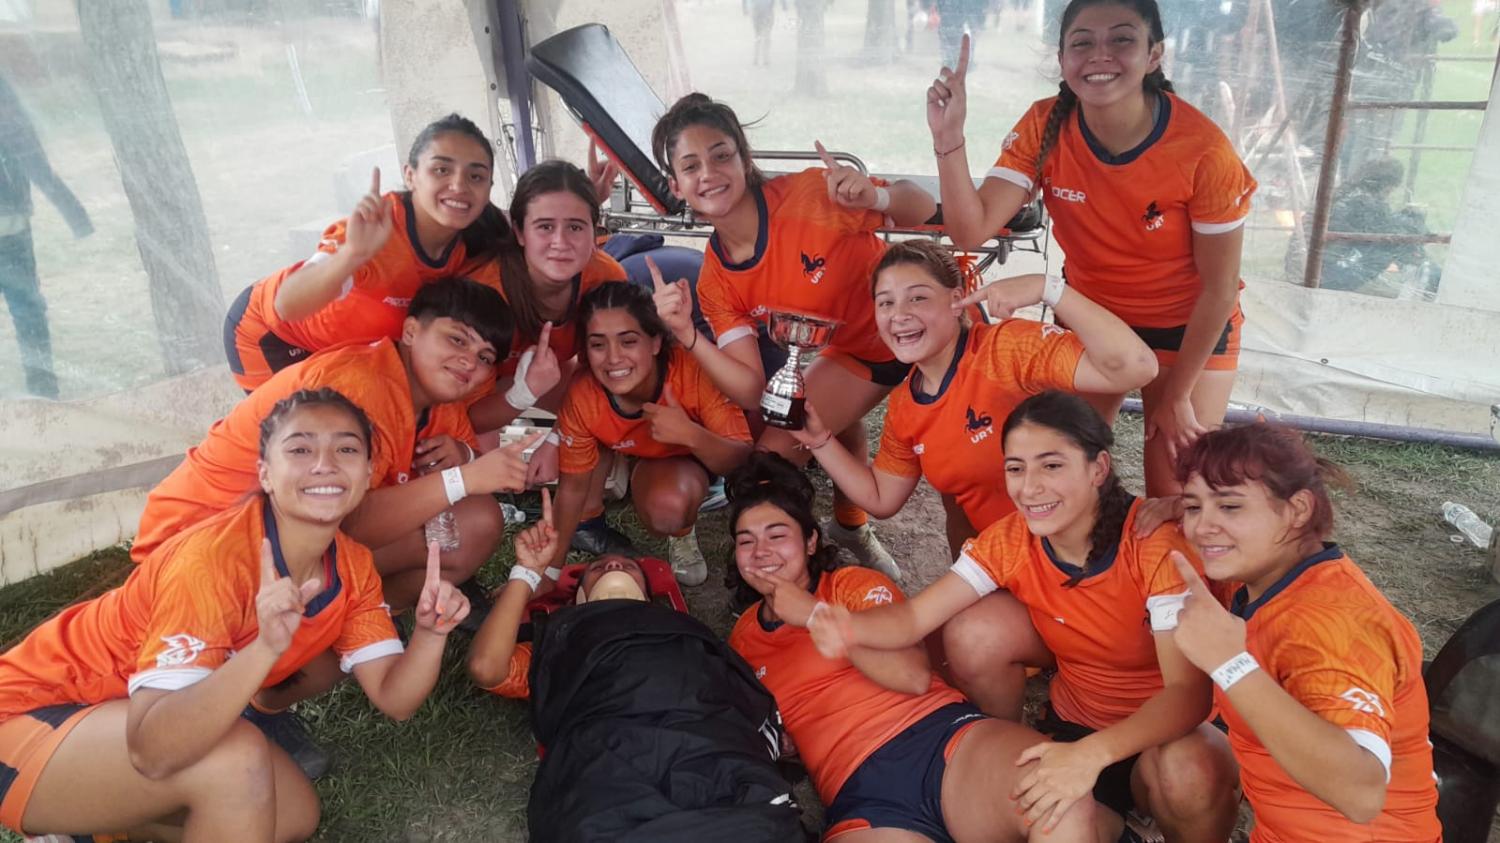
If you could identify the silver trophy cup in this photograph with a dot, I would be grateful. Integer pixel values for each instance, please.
(784, 403)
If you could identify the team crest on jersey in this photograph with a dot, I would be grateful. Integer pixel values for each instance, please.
(1153, 218)
(1010, 141)
(878, 595)
(918, 449)
(813, 268)
(622, 445)
(978, 425)
(181, 649)
(1050, 329)
(760, 672)
(1363, 701)
(398, 301)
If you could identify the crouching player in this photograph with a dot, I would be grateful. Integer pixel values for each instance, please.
(1319, 677)
(124, 713)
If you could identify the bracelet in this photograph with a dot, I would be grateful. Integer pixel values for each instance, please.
(1052, 290)
(453, 485)
(882, 200)
(530, 577)
(827, 437)
(552, 438)
(940, 154)
(520, 396)
(1232, 671)
(468, 448)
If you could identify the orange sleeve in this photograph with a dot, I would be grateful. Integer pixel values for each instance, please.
(578, 451)
(1019, 150)
(809, 199)
(1341, 665)
(716, 412)
(990, 560)
(450, 420)
(196, 609)
(516, 685)
(1222, 186)
(1038, 355)
(858, 589)
(728, 317)
(896, 455)
(367, 633)
(1154, 560)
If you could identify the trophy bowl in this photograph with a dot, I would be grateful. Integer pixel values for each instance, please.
(784, 402)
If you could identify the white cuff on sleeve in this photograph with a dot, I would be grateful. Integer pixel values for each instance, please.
(371, 652)
(1377, 747)
(974, 574)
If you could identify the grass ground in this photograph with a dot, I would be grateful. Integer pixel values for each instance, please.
(461, 768)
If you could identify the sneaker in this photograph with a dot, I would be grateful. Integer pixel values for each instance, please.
(715, 499)
(287, 731)
(596, 538)
(688, 564)
(867, 550)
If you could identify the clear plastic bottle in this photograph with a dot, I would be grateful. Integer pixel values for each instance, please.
(443, 529)
(1465, 521)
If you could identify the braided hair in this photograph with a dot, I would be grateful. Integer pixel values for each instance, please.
(1155, 82)
(770, 478)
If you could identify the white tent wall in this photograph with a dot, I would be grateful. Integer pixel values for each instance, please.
(1472, 273)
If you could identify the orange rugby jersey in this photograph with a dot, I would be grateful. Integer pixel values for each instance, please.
(517, 682)
(589, 418)
(836, 715)
(220, 470)
(953, 438)
(564, 340)
(186, 610)
(1125, 223)
(1329, 638)
(1100, 630)
(373, 301)
(812, 256)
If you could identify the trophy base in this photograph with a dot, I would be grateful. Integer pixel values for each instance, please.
(789, 414)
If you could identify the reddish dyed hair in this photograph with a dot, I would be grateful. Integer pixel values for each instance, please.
(1273, 455)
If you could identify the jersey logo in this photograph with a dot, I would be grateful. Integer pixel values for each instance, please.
(181, 649)
(978, 425)
(878, 595)
(623, 445)
(1067, 194)
(1050, 329)
(813, 268)
(760, 672)
(1153, 217)
(1363, 701)
(1010, 141)
(398, 301)
(919, 449)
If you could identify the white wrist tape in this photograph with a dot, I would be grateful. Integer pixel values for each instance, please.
(530, 577)
(1232, 671)
(552, 439)
(1052, 291)
(882, 200)
(520, 395)
(453, 485)
(553, 574)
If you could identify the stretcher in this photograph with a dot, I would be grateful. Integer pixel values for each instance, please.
(617, 109)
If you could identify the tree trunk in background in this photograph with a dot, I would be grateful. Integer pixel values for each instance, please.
(171, 230)
(880, 30)
(812, 75)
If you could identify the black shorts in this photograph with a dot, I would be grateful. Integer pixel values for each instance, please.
(1112, 790)
(1170, 339)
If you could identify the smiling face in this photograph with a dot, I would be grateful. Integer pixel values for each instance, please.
(557, 236)
(316, 465)
(767, 540)
(1053, 482)
(708, 171)
(450, 185)
(914, 313)
(1106, 52)
(621, 355)
(1244, 533)
(449, 359)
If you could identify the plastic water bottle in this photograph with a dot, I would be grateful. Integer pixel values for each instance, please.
(513, 515)
(443, 529)
(1466, 522)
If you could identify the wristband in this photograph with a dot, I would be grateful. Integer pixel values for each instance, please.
(553, 574)
(1232, 671)
(552, 439)
(520, 396)
(453, 485)
(882, 200)
(1052, 290)
(530, 577)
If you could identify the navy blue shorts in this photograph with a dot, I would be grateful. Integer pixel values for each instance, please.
(901, 784)
(1112, 790)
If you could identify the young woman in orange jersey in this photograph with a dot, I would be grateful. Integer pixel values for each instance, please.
(124, 713)
(1319, 677)
(941, 423)
(357, 285)
(644, 397)
(894, 752)
(1126, 710)
(803, 242)
(1149, 200)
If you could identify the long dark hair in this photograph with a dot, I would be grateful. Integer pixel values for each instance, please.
(1075, 419)
(769, 478)
(623, 295)
(489, 233)
(323, 397)
(697, 109)
(552, 176)
(1155, 81)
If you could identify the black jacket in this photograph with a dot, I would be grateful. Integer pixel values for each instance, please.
(654, 730)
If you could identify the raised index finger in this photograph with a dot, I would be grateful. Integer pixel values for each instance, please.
(544, 336)
(656, 281)
(823, 154)
(375, 182)
(1189, 575)
(433, 575)
(546, 506)
(267, 563)
(963, 59)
